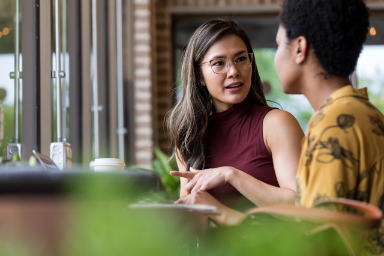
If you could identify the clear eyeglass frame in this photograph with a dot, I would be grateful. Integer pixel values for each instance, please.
(227, 63)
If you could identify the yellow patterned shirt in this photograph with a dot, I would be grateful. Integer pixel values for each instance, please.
(343, 155)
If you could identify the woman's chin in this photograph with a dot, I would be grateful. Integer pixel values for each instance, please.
(236, 99)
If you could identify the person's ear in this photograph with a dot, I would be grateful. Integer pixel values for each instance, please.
(301, 49)
(202, 82)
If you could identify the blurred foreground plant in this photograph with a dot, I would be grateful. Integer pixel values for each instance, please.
(99, 222)
(102, 224)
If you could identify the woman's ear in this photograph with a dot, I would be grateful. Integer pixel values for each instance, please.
(301, 48)
(202, 81)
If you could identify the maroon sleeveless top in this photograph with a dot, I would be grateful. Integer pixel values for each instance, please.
(235, 138)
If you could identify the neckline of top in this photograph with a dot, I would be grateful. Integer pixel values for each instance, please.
(233, 114)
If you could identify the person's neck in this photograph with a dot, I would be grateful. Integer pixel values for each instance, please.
(220, 106)
(318, 88)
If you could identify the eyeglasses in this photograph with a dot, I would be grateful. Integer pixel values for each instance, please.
(221, 65)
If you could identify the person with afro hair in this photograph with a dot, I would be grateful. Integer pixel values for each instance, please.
(319, 43)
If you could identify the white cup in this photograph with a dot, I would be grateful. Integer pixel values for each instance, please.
(108, 164)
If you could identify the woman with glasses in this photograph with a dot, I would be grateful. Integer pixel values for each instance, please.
(236, 151)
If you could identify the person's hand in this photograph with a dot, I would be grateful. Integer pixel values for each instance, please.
(199, 197)
(228, 216)
(205, 179)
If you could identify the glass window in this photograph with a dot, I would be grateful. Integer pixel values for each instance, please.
(370, 73)
(370, 66)
(64, 72)
(10, 62)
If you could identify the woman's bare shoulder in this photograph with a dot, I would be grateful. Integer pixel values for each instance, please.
(279, 117)
(279, 123)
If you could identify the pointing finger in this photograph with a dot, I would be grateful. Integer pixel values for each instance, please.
(188, 175)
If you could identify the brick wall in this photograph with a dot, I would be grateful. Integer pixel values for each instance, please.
(219, 2)
(142, 82)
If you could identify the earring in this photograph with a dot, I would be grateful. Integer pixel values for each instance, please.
(299, 50)
(202, 83)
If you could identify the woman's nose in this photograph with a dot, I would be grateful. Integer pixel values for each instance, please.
(232, 70)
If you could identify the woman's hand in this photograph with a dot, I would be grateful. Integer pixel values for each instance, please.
(205, 179)
(228, 216)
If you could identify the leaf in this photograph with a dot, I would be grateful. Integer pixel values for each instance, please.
(158, 168)
(163, 158)
(173, 163)
(169, 181)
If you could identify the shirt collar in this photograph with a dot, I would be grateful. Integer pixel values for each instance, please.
(346, 91)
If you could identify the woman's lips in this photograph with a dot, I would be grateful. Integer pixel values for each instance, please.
(234, 88)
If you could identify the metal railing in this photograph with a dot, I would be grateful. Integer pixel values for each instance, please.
(120, 100)
(95, 105)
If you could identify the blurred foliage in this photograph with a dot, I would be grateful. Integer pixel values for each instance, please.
(11, 247)
(7, 15)
(273, 237)
(265, 64)
(162, 166)
(297, 105)
(8, 124)
(375, 86)
(101, 223)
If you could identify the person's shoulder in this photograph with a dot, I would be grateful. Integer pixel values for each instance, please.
(280, 120)
(346, 112)
(355, 103)
(278, 117)
(281, 127)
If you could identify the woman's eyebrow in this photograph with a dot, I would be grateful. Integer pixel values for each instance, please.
(218, 57)
(240, 52)
(223, 57)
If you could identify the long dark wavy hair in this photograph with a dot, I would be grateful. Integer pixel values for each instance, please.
(188, 120)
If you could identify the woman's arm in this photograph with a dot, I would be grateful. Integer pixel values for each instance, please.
(282, 136)
(228, 216)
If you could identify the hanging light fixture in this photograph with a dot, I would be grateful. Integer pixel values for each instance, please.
(372, 31)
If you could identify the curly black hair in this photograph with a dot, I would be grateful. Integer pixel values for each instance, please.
(336, 29)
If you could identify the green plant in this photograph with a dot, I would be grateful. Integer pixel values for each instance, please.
(162, 166)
